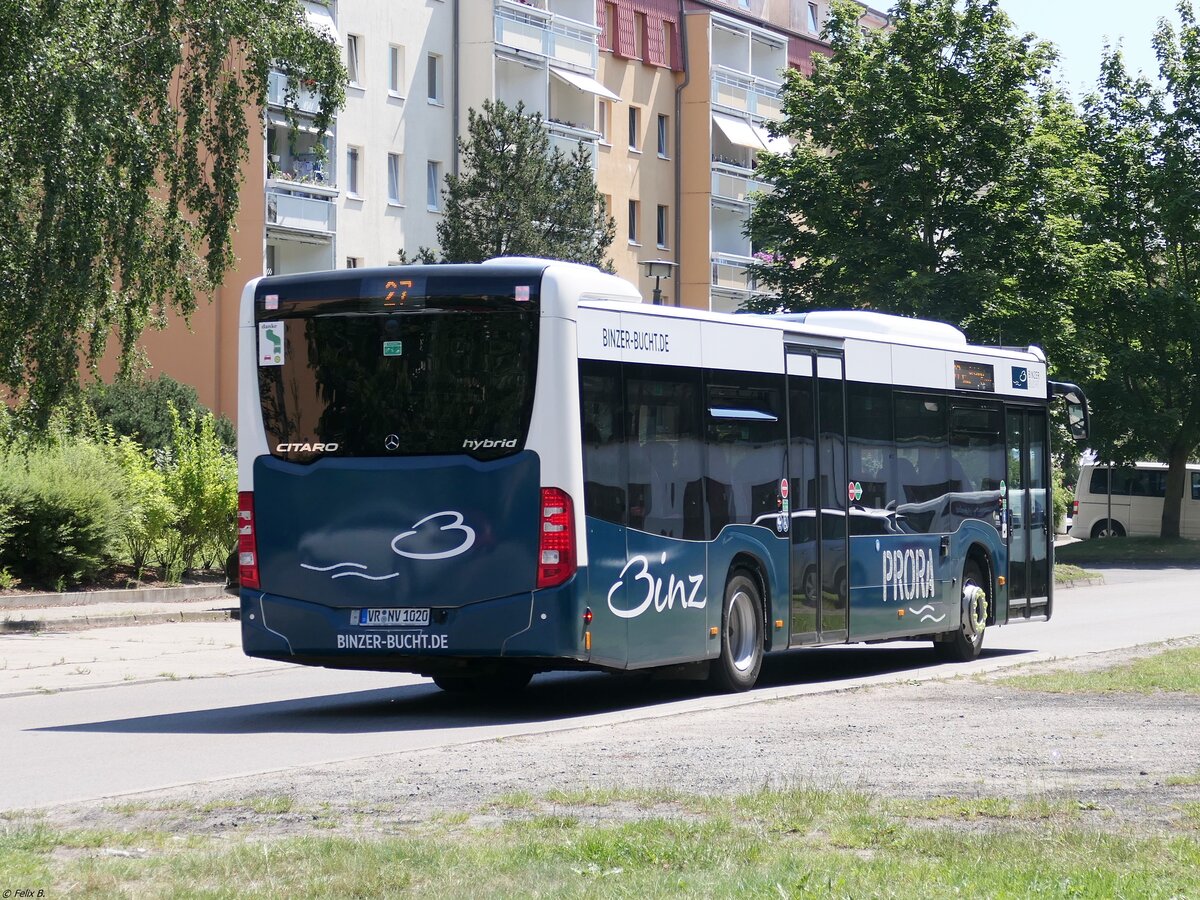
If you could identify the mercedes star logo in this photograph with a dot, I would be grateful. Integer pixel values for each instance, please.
(391, 442)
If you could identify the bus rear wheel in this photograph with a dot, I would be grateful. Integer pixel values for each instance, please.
(965, 643)
(737, 667)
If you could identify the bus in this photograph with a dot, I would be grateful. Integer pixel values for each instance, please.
(482, 472)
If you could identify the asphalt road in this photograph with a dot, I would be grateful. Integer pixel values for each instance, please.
(126, 738)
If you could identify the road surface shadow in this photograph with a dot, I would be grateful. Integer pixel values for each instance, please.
(549, 698)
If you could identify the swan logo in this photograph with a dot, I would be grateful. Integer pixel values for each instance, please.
(402, 545)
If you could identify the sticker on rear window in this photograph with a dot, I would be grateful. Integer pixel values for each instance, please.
(393, 348)
(270, 343)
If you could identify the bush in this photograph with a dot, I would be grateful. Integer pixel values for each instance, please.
(65, 517)
(201, 482)
(140, 409)
(147, 511)
(1061, 495)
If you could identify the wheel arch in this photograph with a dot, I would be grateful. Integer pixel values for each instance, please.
(980, 555)
(756, 570)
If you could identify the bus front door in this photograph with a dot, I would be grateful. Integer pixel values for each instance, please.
(1029, 514)
(817, 497)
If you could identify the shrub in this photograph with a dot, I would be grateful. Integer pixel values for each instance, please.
(140, 408)
(65, 517)
(147, 511)
(201, 481)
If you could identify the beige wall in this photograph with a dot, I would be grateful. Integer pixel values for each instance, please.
(623, 174)
(696, 177)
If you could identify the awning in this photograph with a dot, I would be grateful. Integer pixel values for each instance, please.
(584, 83)
(778, 145)
(320, 20)
(739, 131)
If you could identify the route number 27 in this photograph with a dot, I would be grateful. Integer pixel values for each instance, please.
(394, 287)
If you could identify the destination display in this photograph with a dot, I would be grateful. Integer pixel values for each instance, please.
(974, 376)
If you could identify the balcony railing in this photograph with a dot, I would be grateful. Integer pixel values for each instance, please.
(734, 183)
(731, 272)
(744, 93)
(568, 137)
(306, 101)
(557, 39)
(300, 213)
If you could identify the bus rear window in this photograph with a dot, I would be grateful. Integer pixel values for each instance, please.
(448, 378)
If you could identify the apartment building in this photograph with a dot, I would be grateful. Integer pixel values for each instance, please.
(672, 99)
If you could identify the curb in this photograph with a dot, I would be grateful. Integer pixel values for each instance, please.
(83, 623)
(180, 594)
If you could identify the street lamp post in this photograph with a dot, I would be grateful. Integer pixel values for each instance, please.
(658, 269)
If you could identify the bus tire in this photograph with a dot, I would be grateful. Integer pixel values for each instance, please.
(485, 684)
(965, 642)
(738, 665)
(1108, 528)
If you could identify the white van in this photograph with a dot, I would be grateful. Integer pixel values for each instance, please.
(1137, 501)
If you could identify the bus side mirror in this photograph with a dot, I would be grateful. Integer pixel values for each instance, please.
(1077, 408)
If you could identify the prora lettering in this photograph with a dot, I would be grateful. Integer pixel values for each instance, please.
(907, 575)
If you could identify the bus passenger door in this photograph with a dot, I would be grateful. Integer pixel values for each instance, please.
(1029, 514)
(818, 499)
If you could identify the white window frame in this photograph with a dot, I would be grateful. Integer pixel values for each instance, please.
(664, 137)
(353, 171)
(396, 83)
(632, 230)
(635, 129)
(354, 59)
(395, 179)
(433, 186)
(433, 74)
(814, 18)
(663, 225)
(604, 123)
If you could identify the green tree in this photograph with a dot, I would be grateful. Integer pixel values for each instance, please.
(935, 172)
(123, 131)
(1140, 332)
(517, 197)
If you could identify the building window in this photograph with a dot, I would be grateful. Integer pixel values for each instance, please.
(668, 35)
(396, 71)
(604, 121)
(269, 261)
(662, 233)
(352, 159)
(353, 59)
(813, 19)
(353, 262)
(639, 35)
(634, 208)
(435, 78)
(663, 141)
(635, 115)
(608, 36)
(433, 186)
(393, 175)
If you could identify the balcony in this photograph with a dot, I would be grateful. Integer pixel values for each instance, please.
(296, 208)
(567, 137)
(739, 92)
(731, 282)
(306, 101)
(531, 30)
(735, 184)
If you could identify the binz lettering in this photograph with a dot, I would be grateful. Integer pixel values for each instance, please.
(676, 590)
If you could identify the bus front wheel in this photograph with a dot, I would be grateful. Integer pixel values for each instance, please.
(737, 667)
(965, 642)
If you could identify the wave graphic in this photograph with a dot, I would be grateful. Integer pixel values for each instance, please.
(352, 565)
(926, 614)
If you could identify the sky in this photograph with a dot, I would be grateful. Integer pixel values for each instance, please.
(1080, 28)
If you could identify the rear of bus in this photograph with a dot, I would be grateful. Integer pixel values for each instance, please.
(396, 511)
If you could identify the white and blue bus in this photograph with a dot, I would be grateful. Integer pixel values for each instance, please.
(482, 472)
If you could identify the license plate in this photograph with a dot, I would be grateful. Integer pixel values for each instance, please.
(407, 617)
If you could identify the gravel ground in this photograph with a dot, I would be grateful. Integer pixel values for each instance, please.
(964, 737)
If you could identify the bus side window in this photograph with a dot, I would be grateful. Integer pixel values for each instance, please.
(603, 444)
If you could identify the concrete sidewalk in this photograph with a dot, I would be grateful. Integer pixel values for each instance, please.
(131, 638)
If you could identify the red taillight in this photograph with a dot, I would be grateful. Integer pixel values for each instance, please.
(1074, 509)
(247, 545)
(556, 539)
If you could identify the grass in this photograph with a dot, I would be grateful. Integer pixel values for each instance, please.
(1065, 573)
(789, 843)
(1172, 671)
(1129, 549)
(1183, 780)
